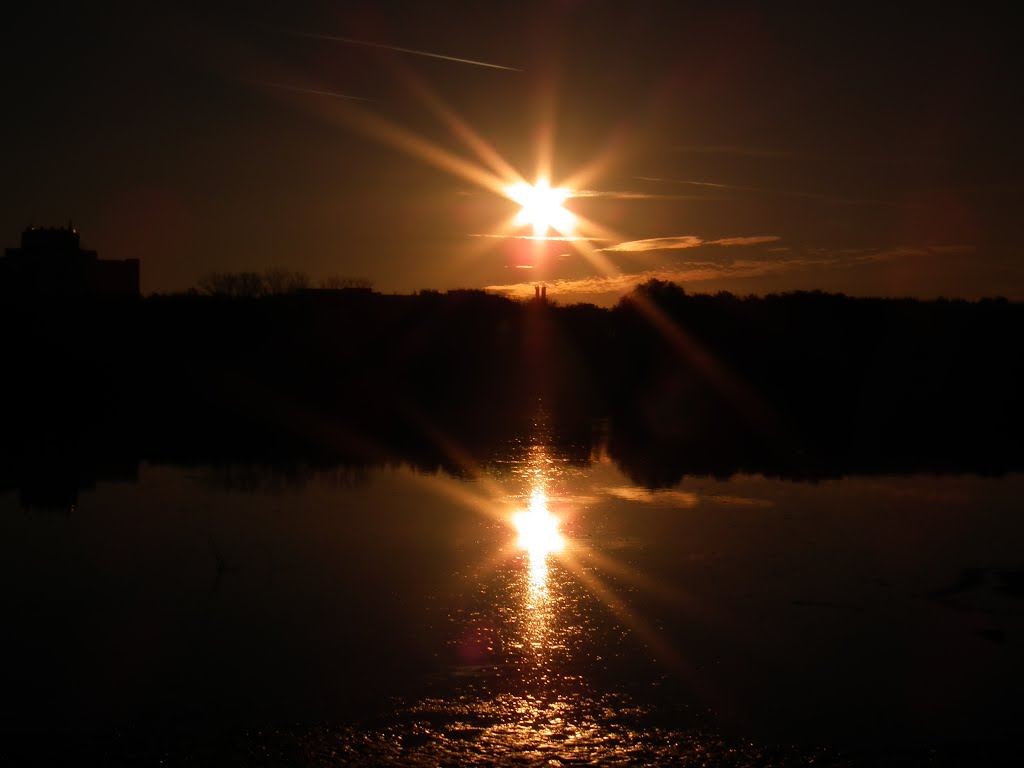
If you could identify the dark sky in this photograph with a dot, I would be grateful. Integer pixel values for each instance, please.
(749, 147)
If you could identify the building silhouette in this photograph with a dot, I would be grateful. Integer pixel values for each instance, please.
(51, 264)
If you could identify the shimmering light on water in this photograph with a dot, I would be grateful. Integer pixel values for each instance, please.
(539, 539)
(538, 528)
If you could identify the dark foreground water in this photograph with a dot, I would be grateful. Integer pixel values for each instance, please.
(538, 611)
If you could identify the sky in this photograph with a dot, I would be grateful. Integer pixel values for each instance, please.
(749, 147)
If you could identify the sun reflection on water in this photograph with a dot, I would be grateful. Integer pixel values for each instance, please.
(541, 631)
(538, 529)
(539, 540)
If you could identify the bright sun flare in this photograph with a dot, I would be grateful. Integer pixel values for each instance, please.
(538, 528)
(542, 207)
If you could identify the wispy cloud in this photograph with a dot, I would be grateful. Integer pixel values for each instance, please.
(847, 257)
(735, 269)
(953, 249)
(618, 194)
(768, 191)
(755, 240)
(682, 242)
(658, 244)
(398, 49)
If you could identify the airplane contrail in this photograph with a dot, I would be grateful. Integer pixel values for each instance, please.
(315, 91)
(383, 46)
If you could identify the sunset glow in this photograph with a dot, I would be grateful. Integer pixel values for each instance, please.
(562, 383)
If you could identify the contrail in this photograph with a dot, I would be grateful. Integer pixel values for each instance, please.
(385, 47)
(614, 194)
(700, 183)
(315, 92)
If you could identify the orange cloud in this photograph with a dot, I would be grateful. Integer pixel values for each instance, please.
(703, 271)
(687, 241)
(756, 240)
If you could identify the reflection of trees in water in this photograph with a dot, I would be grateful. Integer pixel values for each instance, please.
(801, 385)
(279, 479)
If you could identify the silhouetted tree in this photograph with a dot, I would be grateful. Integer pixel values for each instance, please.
(277, 281)
(660, 292)
(340, 283)
(250, 285)
(234, 285)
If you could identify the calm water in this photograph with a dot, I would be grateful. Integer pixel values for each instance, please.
(537, 611)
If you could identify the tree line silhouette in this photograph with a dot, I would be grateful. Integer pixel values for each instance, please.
(802, 384)
(275, 281)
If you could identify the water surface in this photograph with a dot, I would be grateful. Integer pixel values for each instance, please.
(539, 608)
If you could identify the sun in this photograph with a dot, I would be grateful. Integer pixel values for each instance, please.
(542, 207)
